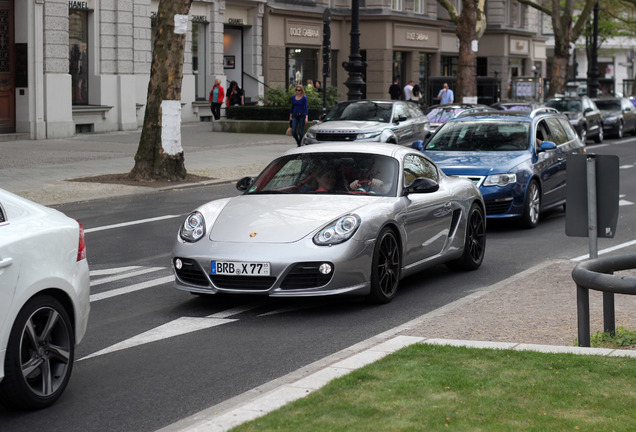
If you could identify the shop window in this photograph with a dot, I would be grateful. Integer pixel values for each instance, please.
(302, 66)
(482, 66)
(399, 67)
(199, 60)
(78, 55)
(449, 65)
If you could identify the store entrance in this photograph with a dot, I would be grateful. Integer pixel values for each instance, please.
(7, 65)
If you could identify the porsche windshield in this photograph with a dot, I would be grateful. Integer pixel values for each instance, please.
(329, 173)
(361, 110)
(481, 135)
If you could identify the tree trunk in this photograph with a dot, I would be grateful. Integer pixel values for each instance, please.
(559, 68)
(467, 61)
(161, 157)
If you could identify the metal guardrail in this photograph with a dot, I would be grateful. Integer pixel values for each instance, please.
(598, 274)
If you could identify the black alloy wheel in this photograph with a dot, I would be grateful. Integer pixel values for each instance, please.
(619, 130)
(385, 267)
(39, 357)
(530, 217)
(475, 243)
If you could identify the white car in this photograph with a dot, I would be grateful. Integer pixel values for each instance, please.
(44, 301)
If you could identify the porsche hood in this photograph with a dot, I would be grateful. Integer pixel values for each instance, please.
(280, 218)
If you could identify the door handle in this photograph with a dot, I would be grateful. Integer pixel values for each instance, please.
(6, 262)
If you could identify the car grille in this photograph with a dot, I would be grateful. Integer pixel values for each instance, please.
(336, 136)
(497, 207)
(306, 275)
(192, 273)
(256, 283)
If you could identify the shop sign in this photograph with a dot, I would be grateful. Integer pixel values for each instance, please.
(415, 37)
(303, 33)
(519, 46)
(202, 19)
(236, 16)
(81, 5)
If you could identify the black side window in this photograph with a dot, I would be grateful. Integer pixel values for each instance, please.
(418, 167)
(3, 218)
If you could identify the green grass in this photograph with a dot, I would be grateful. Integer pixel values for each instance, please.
(621, 338)
(434, 388)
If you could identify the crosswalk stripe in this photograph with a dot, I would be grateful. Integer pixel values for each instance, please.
(131, 288)
(125, 275)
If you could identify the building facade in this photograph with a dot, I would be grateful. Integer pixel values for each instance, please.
(83, 65)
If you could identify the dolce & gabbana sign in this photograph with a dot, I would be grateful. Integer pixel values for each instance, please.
(303, 33)
(415, 37)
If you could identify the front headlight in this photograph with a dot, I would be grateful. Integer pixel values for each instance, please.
(368, 135)
(193, 228)
(610, 119)
(338, 231)
(310, 134)
(500, 179)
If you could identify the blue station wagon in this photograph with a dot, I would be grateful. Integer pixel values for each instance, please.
(517, 159)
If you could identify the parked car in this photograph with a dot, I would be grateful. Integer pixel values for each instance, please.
(397, 122)
(386, 213)
(583, 115)
(44, 301)
(517, 159)
(619, 115)
(516, 106)
(439, 114)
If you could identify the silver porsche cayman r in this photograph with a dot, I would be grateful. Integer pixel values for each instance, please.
(332, 219)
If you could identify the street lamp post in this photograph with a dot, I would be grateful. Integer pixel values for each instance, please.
(593, 74)
(355, 66)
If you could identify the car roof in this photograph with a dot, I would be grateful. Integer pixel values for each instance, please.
(458, 105)
(519, 116)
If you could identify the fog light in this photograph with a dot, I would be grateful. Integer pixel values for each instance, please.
(325, 268)
(178, 264)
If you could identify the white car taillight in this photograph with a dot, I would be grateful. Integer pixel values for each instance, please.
(81, 247)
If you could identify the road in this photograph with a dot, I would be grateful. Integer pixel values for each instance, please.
(154, 355)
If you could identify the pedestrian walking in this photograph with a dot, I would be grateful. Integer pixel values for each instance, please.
(299, 114)
(217, 94)
(318, 86)
(394, 90)
(416, 94)
(408, 88)
(235, 95)
(446, 95)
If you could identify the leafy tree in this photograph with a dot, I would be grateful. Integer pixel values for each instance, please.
(471, 24)
(153, 161)
(567, 29)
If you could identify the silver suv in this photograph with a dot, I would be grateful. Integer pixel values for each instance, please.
(397, 122)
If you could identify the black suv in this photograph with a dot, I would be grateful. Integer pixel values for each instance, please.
(583, 115)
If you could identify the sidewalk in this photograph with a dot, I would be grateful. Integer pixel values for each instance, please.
(535, 309)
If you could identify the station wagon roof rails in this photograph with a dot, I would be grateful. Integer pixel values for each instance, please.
(543, 110)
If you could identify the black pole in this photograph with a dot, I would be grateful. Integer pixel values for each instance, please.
(326, 56)
(355, 66)
(593, 74)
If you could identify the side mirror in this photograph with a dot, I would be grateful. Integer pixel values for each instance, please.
(423, 185)
(322, 117)
(418, 145)
(587, 110)
(245, 183)
(547, 145)
(400, 118)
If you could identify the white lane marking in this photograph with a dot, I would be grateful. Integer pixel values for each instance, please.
(178, 327)
(126, 275)
(626, 166)
(608, 250)
(174, 328)
(125, 224)
(294, 308)
(131, 288)
(111, 271)
(622, 203)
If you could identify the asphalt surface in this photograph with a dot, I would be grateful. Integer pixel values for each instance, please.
(535, 309)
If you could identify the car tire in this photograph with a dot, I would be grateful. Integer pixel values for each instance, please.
(475, 242)
(600, 135)
(532, 206)
(39, 357)
(619, 131)
(583, 134)
(385, 267)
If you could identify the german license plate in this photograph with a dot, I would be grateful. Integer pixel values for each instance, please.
(237, 268)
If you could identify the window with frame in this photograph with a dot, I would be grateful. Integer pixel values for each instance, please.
(419, 6)
(396, 5)
(78, 55)
(418, 167)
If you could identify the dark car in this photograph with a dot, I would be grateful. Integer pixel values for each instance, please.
(517, 159)
(583, 115)
(397, 122)
(439, 114)
(619, 115)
